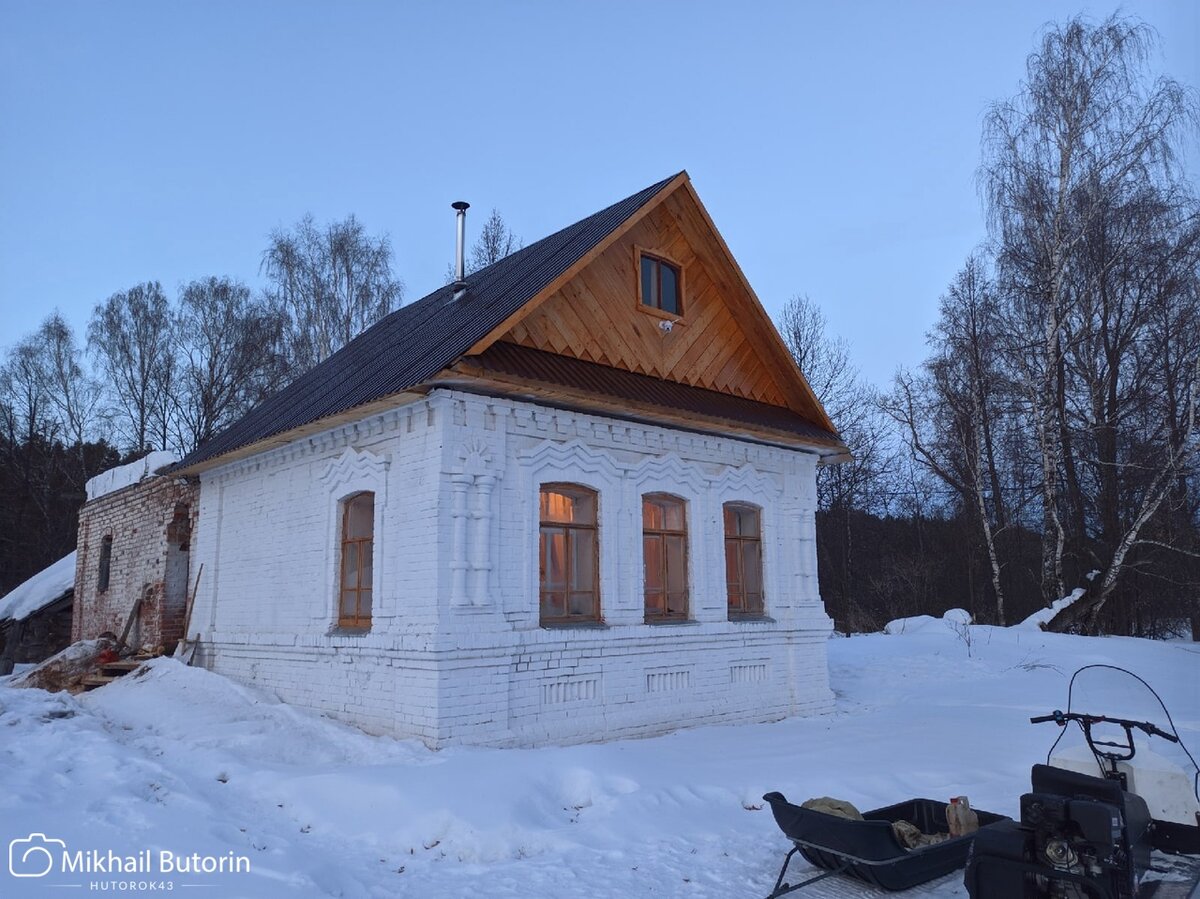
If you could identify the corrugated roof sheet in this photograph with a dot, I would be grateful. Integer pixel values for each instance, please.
(603, 381)
(417, 341)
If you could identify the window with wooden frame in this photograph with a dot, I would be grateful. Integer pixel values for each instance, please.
(105, 568)
(743, 560)
(357, 568)
(664, 557)
(569, 554)
(660, 284)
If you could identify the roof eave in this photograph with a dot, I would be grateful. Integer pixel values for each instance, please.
(308, 430)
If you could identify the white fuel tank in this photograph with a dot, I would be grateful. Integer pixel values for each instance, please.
(1165, 786)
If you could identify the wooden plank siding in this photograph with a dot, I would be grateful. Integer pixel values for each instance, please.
(718, 343)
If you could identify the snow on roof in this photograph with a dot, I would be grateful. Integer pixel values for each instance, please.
(40, 590)
(124, 475)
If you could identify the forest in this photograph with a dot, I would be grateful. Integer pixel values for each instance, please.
(1048, 441)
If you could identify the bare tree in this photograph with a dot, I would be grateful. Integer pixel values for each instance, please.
(854, 486)
(129, 335)
(71, 392)
(31, 429)
(949, 412)
(850, 401)
(1085, 123)
(46, 450)
(1131, 375)
(332, 282)
(228, 344)
(24, 387)
(496, 240)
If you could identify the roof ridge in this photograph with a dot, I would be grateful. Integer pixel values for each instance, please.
(652, 190)
(412, 343)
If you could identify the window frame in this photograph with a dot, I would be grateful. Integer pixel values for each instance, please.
(358, 621)
(744, 611)
(640, 253)
(571, 532)
(661, 534)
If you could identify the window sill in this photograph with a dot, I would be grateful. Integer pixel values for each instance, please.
(674, 318)
(670, 622)
(573, 625)
(345, 631)
(752, 619)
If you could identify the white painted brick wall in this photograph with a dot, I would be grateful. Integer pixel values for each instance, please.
(455, 653)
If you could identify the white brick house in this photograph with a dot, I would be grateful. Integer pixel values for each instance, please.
(571, 498)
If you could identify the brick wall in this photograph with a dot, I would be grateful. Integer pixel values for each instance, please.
(151, 524)
(455, 653)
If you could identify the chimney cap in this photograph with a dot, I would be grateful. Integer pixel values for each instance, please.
(460, 205)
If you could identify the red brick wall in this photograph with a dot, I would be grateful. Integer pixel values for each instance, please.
(144, 525)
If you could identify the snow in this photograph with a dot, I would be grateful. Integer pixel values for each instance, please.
(125, 475)
(40, 590)
(179, 758)
(65, 668)
(1044, 616)
(952, 619)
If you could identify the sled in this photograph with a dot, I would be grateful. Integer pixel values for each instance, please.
(868, 850)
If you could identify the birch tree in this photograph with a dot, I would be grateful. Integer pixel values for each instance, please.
(72, 394)
(331, 282)
(129, 336)
(230, 356)
(1086, 121)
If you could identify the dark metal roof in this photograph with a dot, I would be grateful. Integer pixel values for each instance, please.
(603, 381)
(417, 341)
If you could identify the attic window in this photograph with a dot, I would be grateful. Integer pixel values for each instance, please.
(661, 285)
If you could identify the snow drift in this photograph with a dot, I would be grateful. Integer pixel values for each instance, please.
(183, 759)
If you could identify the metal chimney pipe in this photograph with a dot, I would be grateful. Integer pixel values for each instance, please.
(460, 266)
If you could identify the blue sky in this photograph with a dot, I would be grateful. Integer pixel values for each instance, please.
(834, 144)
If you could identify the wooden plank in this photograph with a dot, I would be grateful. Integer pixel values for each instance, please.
(467, 375)
(724, 341)
(505, 326)
(612, 322)
(707, 309)
(725, 374)
(703, 358)
(806, 401)
(137, 604)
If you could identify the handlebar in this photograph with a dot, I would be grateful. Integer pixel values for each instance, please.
(1061, 718)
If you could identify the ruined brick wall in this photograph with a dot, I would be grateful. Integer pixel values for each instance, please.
(150, 524)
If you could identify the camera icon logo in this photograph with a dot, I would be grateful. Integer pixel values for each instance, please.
(33, 856)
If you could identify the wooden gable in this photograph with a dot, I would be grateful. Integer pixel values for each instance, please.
(723, 340)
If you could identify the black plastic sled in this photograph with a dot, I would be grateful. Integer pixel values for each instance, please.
(867, 850)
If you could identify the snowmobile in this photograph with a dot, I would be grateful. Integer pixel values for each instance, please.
(1096, 825)
(1106, 820)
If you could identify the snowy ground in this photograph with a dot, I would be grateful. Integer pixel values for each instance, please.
(183, 760)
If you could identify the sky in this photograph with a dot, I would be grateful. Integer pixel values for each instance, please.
(834, 144)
